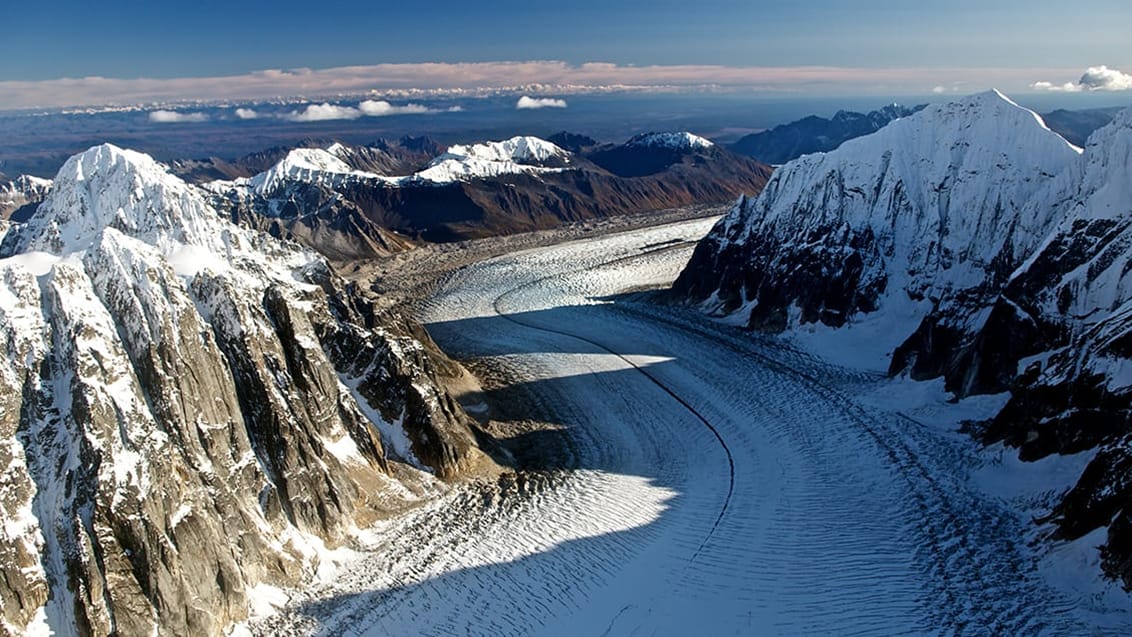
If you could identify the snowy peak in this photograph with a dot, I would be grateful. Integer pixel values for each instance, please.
(676, 141)
(308, 165)
(110, 187)
(518, 155)
(927, 211)
(519, 149)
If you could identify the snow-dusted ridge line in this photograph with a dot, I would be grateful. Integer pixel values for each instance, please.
(514, 156)
(678, 141)
(310, 165)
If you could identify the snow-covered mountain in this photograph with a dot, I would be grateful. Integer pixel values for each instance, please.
(460, 163)
(330, 198)
(926, 212)
(518, 155)
(682, 140)
(1068, 311)
(309, 165)
(19, 197)
(191, 410)
(654, 152)
(967, 241)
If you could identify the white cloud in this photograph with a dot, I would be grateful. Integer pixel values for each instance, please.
(381, 108)
(246, 113)
(1068, 87)
(174, 117)
(1102, 78)
(1095, 78)
(369, 108)
(539, 102)
(324, 112)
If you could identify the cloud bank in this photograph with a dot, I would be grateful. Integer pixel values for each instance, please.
(409, 81)
(324, 112)
(368, 108)
(175, 117)
(246, 113)
(1095, 78)
(526, 103)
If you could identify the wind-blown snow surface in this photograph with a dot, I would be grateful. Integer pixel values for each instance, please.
(714, 484)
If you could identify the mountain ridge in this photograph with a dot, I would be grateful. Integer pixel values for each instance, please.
(194, 409)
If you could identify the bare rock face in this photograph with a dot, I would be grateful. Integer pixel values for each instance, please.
(190, 409)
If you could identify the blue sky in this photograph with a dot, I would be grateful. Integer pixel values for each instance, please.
(46, 41)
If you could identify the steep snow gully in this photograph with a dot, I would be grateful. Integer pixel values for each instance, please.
(711, 482)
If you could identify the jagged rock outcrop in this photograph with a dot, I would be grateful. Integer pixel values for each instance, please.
(20, 197)
(1073, 300)
(190, 409)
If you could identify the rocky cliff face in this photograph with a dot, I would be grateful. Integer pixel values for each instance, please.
(1004, 254)
(190, 409)
(1073, 299)
(20, 197)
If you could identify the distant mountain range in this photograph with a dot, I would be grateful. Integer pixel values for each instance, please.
(348, 203)
(969, 242)
(817, 134)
